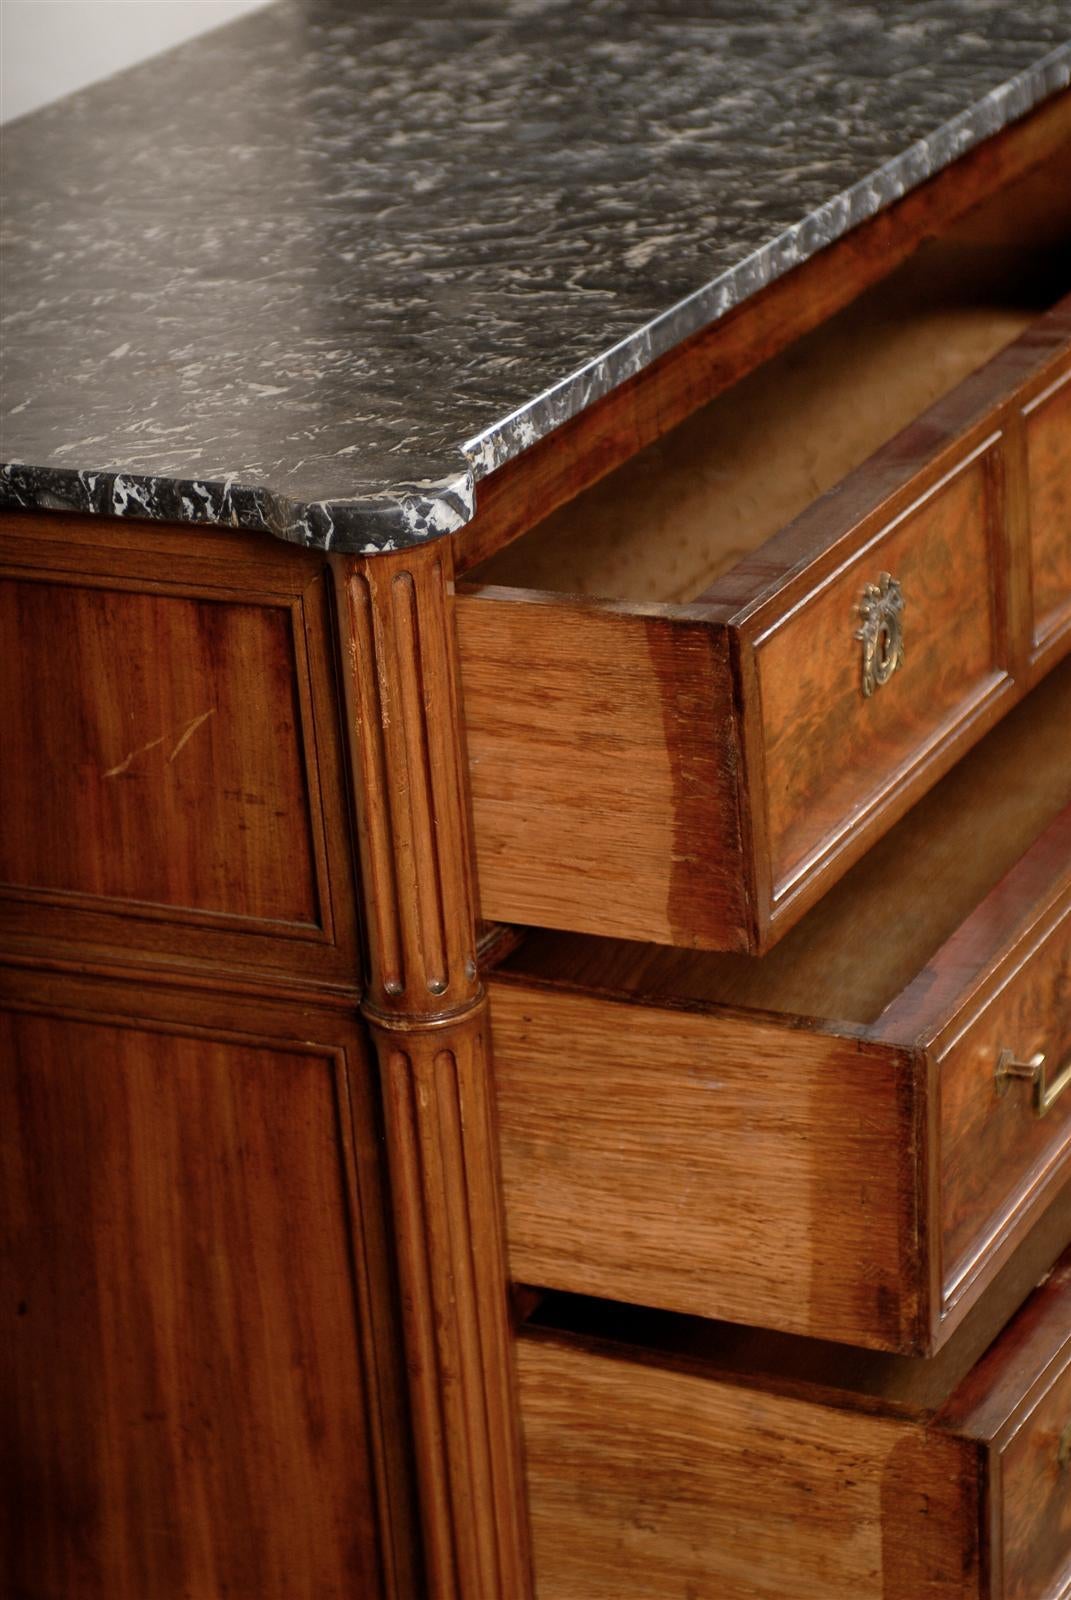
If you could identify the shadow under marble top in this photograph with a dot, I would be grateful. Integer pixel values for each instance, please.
(319, 271)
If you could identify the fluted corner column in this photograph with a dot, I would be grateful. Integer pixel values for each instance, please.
(428, 1016)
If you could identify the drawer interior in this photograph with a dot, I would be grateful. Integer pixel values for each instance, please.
(682, 512)
(864, 942)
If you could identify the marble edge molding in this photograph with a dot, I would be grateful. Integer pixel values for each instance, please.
(407, 514)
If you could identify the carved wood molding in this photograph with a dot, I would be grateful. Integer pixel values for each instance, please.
(412, 820)
(428, 1017)
(443, 1161)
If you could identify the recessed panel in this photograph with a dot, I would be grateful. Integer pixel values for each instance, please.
(180, 1363)
(152, 752)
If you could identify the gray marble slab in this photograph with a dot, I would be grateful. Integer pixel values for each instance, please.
(320, 271)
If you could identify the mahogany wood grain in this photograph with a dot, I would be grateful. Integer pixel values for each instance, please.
(572, 704)
(228, 1139)
(428, 1016)
(660, 1473)
(179, 803)
(607, 433)
(173, 788)
(198, 1371)
(782, 1363)
(682, 513)
(819, 1171)
(222, 865)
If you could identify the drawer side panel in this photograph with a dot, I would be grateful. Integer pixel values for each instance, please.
(605, 771)
(649, 1483)
(756, 1173)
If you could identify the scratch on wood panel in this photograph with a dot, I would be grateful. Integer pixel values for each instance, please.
(114, 772)
(190, 729)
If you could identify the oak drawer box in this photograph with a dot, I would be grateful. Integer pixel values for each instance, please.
(777, 677)
(844, 1139)
(714, 1465)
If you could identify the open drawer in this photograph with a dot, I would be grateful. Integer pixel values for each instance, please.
(675, 1460)
(777, 678)
(844, 1139)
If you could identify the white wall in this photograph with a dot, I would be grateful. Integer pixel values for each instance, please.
(50, 47)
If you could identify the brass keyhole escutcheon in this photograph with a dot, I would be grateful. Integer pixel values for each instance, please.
(882, 632)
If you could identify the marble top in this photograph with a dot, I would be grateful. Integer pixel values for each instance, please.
(318, 272)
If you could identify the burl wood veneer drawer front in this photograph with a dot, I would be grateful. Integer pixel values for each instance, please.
(844, 1139)
(170, 777)
(1047, 423)
(709, 1466)
(700, 773)
(988, 1148)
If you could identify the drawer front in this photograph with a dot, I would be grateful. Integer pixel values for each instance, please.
(836, 738)
(1035, 1494)
(1005, 1107)
(1047, 426)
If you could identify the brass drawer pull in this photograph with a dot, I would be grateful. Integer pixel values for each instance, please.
(1046, 1094)
(882, 633)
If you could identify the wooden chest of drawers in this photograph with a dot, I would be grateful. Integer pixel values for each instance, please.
(734, 705)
